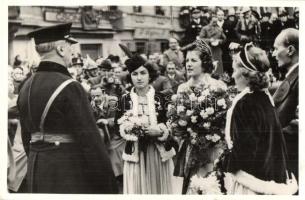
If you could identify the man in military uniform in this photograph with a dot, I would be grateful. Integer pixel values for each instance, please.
(193, 30)
(64, 148)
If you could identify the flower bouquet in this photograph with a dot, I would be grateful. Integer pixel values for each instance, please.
(208, 185)
(197, 116)
(132, 129)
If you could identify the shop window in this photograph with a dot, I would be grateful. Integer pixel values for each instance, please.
(137, 9)
(159, 10)
(141, 47)
(113, 8)
(93, 50)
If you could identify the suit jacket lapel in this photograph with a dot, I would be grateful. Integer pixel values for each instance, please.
(284, 89)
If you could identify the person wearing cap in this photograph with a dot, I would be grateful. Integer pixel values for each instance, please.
(91, 72)
(59, 133)
(196, 24)
(148, 165)
(285, 21)
(286, 97)
(77, 63)
(229, 31)
(256, 161)
(247, 27)
(109, 82)
(215, 38)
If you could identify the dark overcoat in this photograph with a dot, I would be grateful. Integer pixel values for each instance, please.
(286, 99)
(258, 143)
(79, 167)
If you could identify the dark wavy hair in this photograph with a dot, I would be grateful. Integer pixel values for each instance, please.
(205, 54)
(152, 69)
(258, 80)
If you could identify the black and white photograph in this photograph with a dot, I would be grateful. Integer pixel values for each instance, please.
(183, 98)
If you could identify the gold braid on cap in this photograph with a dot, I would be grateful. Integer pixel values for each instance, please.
(203, 47)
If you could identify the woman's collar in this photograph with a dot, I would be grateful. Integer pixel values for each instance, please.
(150, 91)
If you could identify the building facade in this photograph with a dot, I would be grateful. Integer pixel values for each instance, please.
(99, 29)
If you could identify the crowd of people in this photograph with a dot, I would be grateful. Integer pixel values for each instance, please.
(94, 153)
(221, 27)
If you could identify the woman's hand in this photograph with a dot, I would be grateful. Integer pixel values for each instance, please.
(153, 131)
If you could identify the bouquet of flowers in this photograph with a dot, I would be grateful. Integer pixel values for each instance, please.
(131, 127)
(197, 115)
(208, 185)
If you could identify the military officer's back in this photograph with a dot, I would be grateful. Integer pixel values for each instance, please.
(63, 145)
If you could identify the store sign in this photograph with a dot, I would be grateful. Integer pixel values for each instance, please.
(146, 33)
(62, 17)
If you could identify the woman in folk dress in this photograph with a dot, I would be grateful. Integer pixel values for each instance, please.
(148, 169)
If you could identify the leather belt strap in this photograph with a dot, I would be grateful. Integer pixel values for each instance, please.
(52, 138)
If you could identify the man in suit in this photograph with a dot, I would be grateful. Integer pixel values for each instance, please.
(286, 52)
(60, 137)
(174, 54)
(215, 37)
(247, 27)
(174, 77)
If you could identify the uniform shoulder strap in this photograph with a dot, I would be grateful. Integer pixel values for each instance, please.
(51, 100)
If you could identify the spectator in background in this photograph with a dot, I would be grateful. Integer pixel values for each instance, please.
(214, 36)
(118, 72)
(193, 30)
(156, 59)
(91, 72)
(229, 31)
(17, 61)
(77, 63)
(247, 27)
(104, 106)
(266, 35)
(115, 60)
(285, 21)
(174, 76)
(152, 58)
(18, 77)
(174, 54)
(220, 18)
(161, 83)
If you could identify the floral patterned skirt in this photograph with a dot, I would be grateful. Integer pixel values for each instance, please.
(150, 175)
